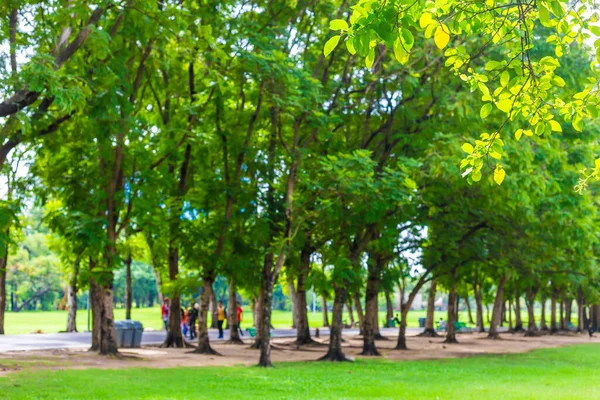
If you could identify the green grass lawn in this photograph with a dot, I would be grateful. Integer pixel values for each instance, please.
(564, 373)
(55, 321)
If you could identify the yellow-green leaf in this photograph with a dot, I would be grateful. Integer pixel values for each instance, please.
(400, 52)
(467, 148)
(441, 36)
(425, 20)
(504, 105)
(338, 24)
(476, 176)
(485, 110)
(519, 133)
(350, 46)
(370, 58)
(499, 174)
(331, 44)
(555, 126)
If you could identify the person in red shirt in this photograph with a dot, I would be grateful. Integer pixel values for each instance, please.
(239, 318)
(164, 311)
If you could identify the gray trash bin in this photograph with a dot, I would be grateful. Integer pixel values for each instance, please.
(129, 333)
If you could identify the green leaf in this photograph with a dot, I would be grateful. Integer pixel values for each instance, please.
(467, 148)
(331, 44)
(408, 39)
(485, 110)
(338, 24)
(518, 134)
(499, 174)
(476, 176)
(545, 17)
(350, 46)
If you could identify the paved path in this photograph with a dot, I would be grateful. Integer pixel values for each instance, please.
(48, 341)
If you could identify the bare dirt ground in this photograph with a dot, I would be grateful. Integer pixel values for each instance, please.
(284, 351)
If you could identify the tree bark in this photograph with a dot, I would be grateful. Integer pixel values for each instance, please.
(530, 302)
(429, 319)
(324, 306)
(350, 313)
(334, 352)
(72, 298)
(3, 266)
(469, 310)
(563, 322)
(580, 316)
(234, 324)
(266, 304)
(497, 310)
(214, 309)
(174, 336)
(302, 328)
(96, 311)
(543, 325)
(518, 319)
(479, 308)
(452, 313)
(371, 308)
(553, 325)
(568, 309)
(128, 288)
(293, 298)
(389, 307)
(401, 343)
(359, 311)
(203, 338)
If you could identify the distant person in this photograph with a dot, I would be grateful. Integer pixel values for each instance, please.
(442, 325)
(240, 312)
(184, 322)
(590, 329)
(164, 311)
(192, 318)
(220, 318)
(397, 320)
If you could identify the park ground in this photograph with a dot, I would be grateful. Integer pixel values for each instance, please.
(558, 367)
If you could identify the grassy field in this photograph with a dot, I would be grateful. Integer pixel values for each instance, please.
(563, 373)
(55, 321)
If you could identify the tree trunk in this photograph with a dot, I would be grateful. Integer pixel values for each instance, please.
(401, 343)
(568, 309)
(359, 311)
(234, 324)
(108, 334)
(214, 309)
(543, 326)
(96, 311)
(350, 313)
(293, 298)
(128, 288)
(452, 312)
(72, 298)
(325, 318)
(371, 310)
(497, 310)
(580, 317)
(510, 321)
(503, 314)
(429, 320)
(479, 308)
(203, 338)
(518, 319)
(3, 266)
(334, 352)
(553, 326)
(469, 310)
(563, 322)
(530, 302)
(174, 335)
(389, 307)
(266, 304)
(302, 328)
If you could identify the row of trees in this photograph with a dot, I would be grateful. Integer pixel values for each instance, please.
(219, 135)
